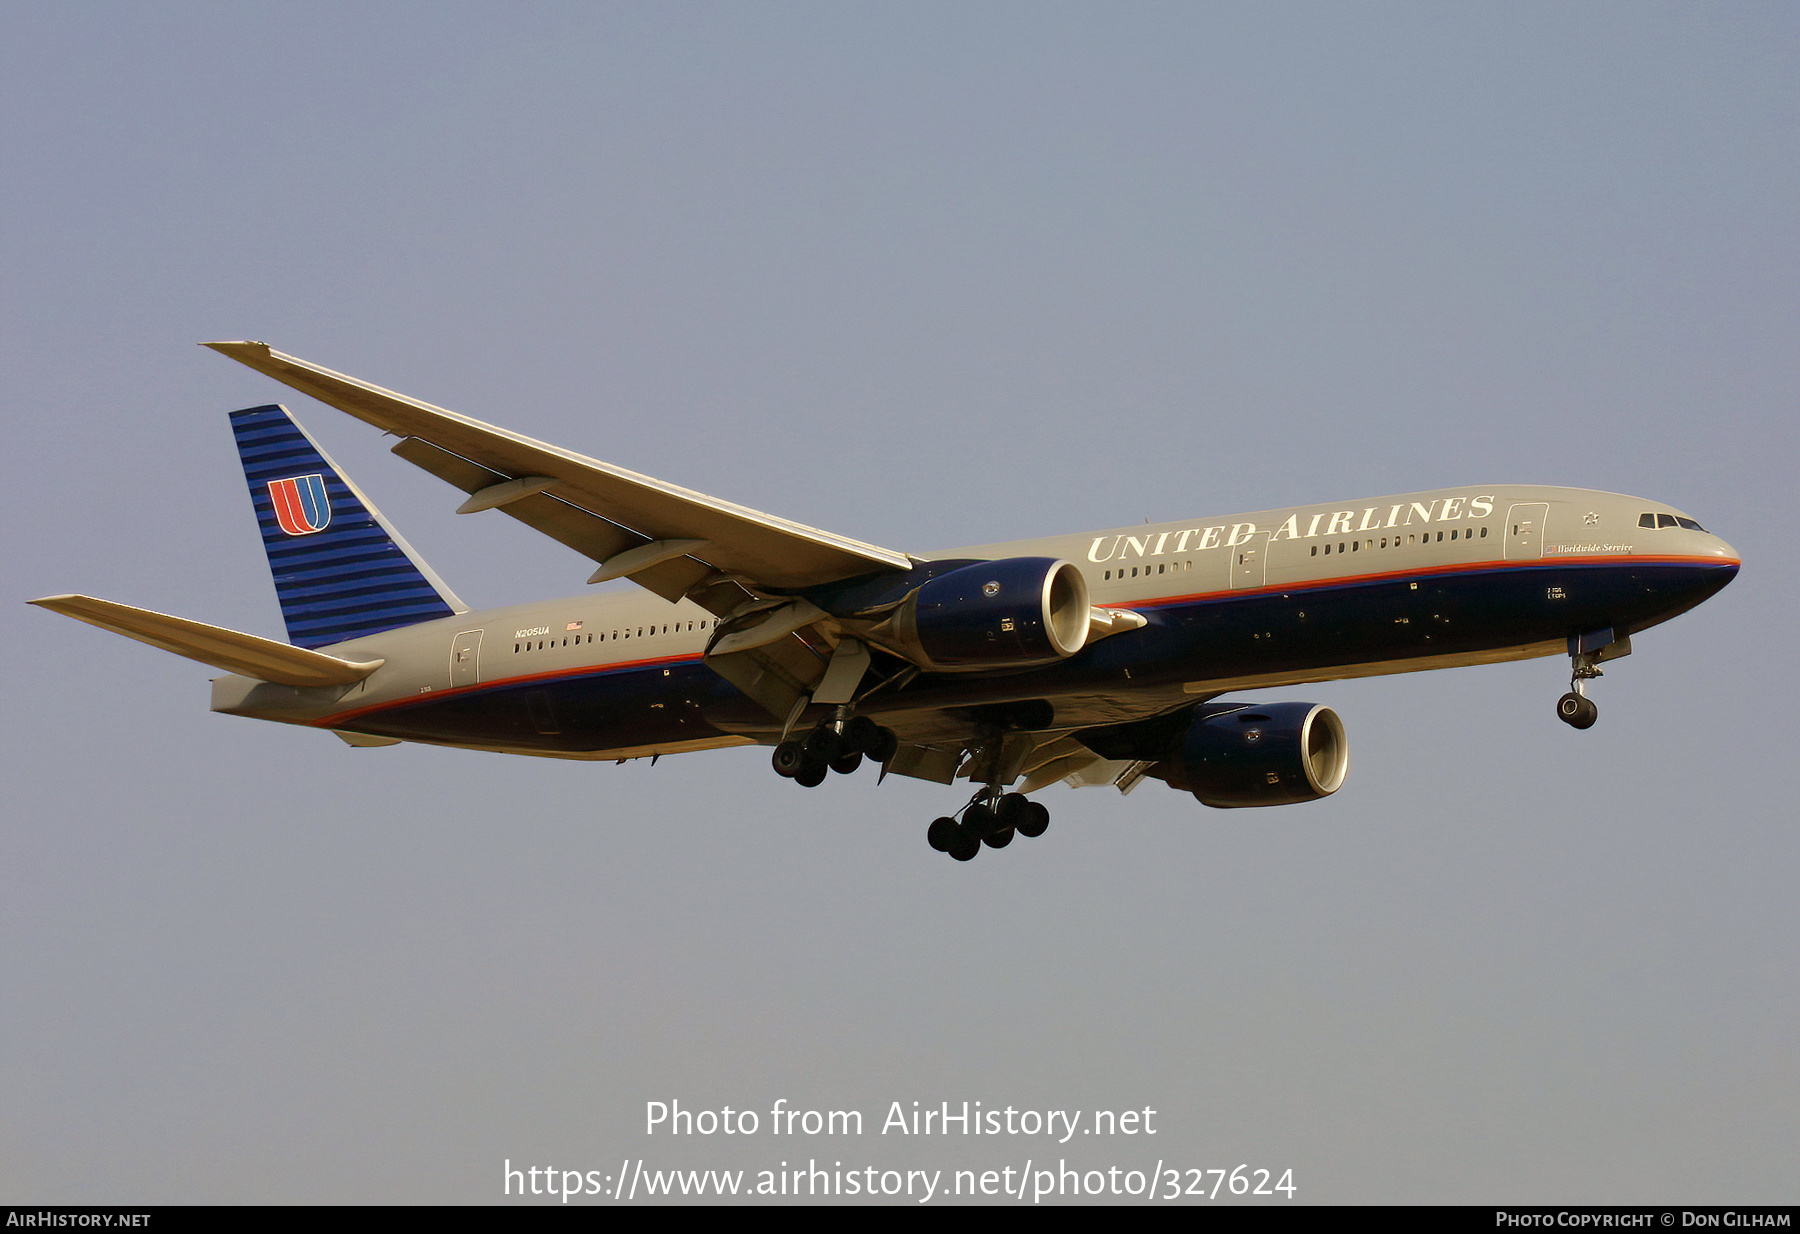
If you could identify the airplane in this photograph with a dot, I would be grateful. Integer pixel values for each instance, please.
(1093, 659)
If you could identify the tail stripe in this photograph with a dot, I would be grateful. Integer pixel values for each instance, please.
(340, 571)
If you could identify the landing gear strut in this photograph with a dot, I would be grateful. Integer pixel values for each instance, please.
(1586, 652)
(992, 817)
(1575, 708)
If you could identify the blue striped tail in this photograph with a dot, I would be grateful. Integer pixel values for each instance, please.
(340, 570)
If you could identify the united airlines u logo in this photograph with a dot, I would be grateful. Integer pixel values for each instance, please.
(301, 506)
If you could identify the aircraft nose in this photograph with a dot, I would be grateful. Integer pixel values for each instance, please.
(1718, 576)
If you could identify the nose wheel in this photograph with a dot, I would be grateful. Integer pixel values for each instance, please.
(1577, 710)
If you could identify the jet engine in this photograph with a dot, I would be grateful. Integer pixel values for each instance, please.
(1236, 754)
(1011, 613)
(1259, 755)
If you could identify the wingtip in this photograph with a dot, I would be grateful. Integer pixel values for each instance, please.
(236, 346)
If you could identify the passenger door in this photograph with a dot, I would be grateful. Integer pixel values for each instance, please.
(465, 659)
(1250, 562)
(1525, 530)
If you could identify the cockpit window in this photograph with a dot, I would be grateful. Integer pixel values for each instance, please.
(1668, 520)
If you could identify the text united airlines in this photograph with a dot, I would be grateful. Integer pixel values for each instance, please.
(1324, 523)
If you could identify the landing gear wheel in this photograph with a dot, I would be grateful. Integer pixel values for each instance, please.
(998, 839)
(1036, 821)
(861, 733)
(943, 834)
(788, 758)
(885, 747)
(825, 745)
(979, 822)
(965, 846)
(847, 764)
(811, 774)
(1011, 809)
(1577, 711)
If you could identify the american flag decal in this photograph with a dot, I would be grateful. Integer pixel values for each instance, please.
(301, 506)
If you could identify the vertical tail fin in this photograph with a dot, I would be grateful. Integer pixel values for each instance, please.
(340, 570)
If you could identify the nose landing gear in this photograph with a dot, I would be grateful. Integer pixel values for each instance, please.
(1586, 651)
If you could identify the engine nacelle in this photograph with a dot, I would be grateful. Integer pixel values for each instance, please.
(1271, 754)
(1010, 613)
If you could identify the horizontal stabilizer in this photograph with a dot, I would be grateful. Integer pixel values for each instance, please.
(261, 658)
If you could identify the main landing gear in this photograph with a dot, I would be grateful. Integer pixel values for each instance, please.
(990, 818)
(833, 746)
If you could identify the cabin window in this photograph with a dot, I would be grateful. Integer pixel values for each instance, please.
(1484, 533)
(1315, 551)
(1353, 546)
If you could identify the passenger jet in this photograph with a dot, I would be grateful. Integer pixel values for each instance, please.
(1093, 659)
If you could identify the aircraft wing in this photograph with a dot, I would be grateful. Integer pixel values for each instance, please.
(669, 539)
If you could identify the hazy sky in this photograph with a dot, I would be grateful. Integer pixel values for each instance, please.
(924, 275)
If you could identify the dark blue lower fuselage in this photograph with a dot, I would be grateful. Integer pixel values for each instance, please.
(1311, 631)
